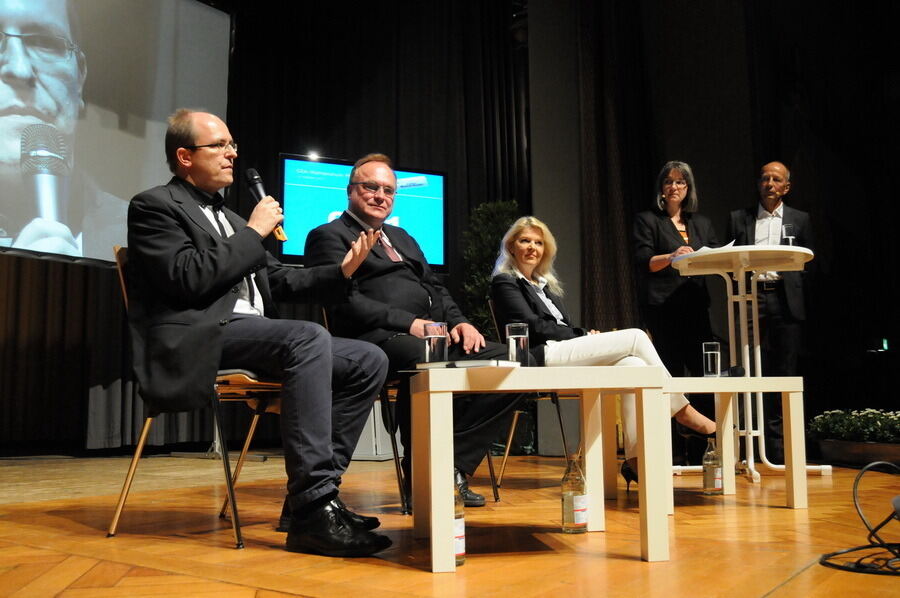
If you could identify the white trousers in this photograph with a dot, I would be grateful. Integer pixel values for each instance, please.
(620, 347)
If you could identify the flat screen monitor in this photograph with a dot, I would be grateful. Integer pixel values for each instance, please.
(315, 192)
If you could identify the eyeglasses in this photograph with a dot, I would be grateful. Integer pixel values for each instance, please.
(221, 146)
(42, 46)
(675, 183)
(373, 188)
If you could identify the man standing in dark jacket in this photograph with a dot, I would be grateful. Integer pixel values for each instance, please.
(780, 295)
(201, 289)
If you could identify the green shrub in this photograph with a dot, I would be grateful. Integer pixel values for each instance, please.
(866, 425)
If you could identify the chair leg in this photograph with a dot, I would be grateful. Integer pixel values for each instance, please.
(554, 398)
(387, 414)
(240, 462)
(235, 520)
(494, 485)
(129, 477)
(509, 438)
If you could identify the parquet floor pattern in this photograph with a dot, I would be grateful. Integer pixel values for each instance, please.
(171, 542)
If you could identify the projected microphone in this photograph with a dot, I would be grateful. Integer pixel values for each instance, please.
(254, 181)
(45, 169)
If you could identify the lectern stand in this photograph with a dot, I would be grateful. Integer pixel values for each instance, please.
(734, 264)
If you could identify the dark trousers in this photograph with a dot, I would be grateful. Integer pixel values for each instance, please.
(477, 419)
(678, 329)
(329, 384)
(781, 336)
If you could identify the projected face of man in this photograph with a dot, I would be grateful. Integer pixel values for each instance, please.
(37, 85)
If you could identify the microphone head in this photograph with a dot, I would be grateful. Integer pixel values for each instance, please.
(253, 177)
(44, 151)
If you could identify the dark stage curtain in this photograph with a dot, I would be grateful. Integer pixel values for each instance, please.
(615, 154)
(65, 369)
(825, 103)
(435, 85)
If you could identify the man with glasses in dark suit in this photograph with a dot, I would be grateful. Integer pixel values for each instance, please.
(201, 289)
(395, 293)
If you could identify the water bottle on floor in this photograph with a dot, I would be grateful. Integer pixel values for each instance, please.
(574, 499)
(712, 469)
(459, 526)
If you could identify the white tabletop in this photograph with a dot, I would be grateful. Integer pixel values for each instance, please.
(735, 258)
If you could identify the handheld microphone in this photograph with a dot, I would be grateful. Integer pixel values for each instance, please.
(45, 170)
(254, 181)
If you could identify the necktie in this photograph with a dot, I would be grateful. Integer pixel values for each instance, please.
(390, 251)
(217, 209)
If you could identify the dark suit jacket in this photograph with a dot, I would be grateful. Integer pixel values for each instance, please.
(654, 234)
(742, 228)
(516, 300)
(183, 282)
(386, 296)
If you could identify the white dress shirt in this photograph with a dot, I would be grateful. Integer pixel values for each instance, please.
(243, 305)
(768, 232)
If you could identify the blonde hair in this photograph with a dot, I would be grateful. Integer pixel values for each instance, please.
(506, 263)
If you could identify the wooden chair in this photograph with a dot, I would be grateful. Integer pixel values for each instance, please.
(231, 385)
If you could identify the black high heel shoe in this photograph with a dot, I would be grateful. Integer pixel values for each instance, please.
(629, 474)
(686, 432)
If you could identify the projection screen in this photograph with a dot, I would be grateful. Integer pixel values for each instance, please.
(85, 89)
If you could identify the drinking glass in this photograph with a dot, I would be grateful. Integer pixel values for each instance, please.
(787, 234)
(435, 342)
(711, 359)
(517, 342)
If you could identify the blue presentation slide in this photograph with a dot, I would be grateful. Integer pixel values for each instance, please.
(315, 192)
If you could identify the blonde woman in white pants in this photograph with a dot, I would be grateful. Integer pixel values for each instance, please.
(525, 289)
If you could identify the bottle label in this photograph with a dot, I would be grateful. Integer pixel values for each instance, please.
(717, 483)
(580, 503)
(459, 536)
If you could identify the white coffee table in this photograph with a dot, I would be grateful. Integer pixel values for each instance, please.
(432, 439)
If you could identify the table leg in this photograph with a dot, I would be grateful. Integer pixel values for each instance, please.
(592, 429)
(608, 403)
(725, 438)
(794, 449)
(654, 465)
(432, 482)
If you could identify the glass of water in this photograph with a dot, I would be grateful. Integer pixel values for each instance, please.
(787, 234)
(435, 342)
(517, 342)
(712, 357)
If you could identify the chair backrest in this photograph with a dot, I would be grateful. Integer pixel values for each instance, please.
(494, 320)
(121, 254)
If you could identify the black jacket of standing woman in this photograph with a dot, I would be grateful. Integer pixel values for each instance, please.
(675, 307)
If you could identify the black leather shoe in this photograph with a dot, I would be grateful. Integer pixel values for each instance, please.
(284, 521)
(355, 519)
(471, 499)
(326, 531)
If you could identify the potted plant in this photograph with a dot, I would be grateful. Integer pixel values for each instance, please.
(857, 437)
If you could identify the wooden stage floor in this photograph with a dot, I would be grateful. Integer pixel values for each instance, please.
(54, 514)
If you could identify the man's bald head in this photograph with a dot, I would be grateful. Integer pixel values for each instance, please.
(774, 184)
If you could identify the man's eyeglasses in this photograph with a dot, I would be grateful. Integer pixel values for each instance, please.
(42, 46)
(221, 146)
(373, 188)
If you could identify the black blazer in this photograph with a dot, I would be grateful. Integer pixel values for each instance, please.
(516, 300)
(742, 228)
(655, 234)
(386, 296)
(183, 282)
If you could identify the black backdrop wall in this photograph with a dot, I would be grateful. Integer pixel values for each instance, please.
(723, 85)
